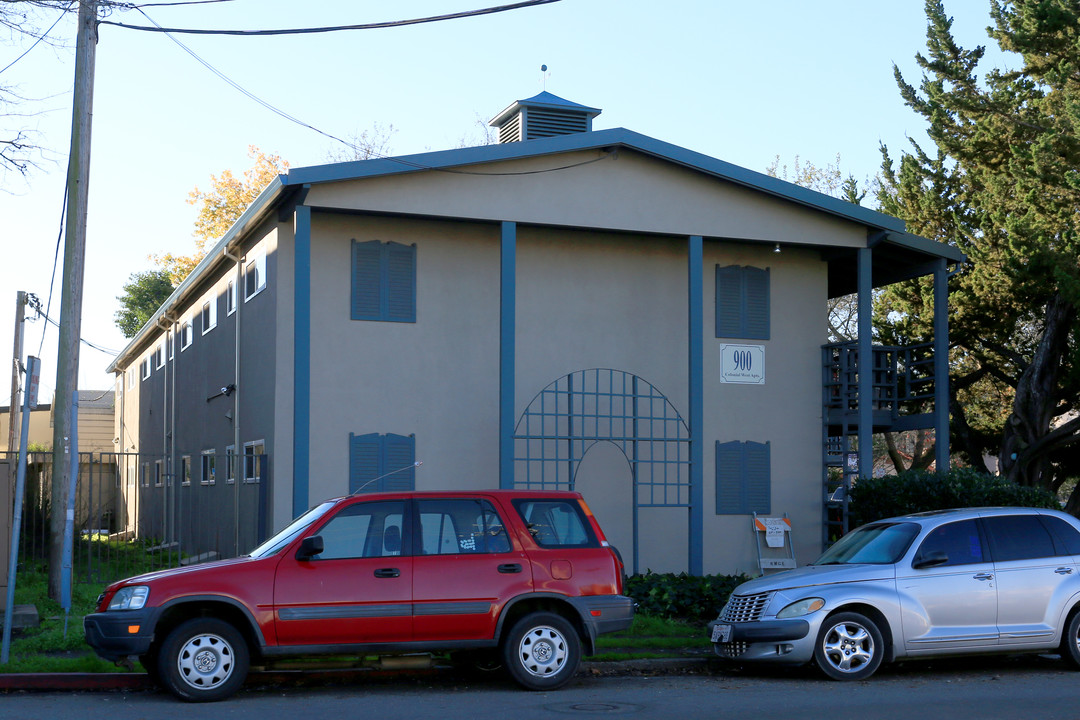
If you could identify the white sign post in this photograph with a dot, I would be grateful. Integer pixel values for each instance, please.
(744, 364)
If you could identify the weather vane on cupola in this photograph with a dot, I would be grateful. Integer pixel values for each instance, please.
(544, 75)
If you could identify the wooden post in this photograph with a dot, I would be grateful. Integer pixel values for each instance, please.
(67, 361)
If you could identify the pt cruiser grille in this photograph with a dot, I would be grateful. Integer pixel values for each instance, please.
(745, 608)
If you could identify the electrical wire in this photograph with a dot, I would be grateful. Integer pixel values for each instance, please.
(40, 37)
(56, 261)
(333, 28)
(293, 119)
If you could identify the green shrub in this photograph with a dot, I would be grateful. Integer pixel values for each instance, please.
(681, 596)
(920, 490)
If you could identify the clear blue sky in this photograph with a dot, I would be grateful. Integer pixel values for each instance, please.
(742, 81)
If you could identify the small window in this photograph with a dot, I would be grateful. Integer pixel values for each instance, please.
(453, 527)
(185, 469)
(364, 530)
(742, 302)
(1018, 537)
(130, 373)
(144, 368)
(959, 541)
(146, 474)
(230, 464)
(254, 460)
(382, 463)
(159, 353)
(383, 281)
(556, 523)
(159, 473)
(254, 276)
(209, 315)
(209, 467)
(1066, 537)
(743, 478)
(230, 298)
(172, 345)
(186, 335)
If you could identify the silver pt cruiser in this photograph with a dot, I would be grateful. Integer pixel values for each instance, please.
(952, 582)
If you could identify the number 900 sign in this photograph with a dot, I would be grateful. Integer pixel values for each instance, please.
(742, 364)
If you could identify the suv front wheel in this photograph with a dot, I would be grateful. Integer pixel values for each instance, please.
(542, 651)
(203, 659)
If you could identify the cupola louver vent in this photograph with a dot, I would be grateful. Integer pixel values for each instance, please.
(544, 115)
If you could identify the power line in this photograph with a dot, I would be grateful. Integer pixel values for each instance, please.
(333, 28)
(40, 37)
(293, 119)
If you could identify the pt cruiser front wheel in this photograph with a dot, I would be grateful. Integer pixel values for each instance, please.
(849, 647)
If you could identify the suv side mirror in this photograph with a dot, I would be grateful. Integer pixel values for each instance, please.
(931, 559)
(310, 547)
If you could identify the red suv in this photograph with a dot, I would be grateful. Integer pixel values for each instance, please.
(522, 578)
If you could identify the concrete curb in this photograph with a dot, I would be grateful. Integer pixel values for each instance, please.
(141, 681)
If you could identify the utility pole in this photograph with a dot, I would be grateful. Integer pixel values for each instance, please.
(7, 481)
(65, 452)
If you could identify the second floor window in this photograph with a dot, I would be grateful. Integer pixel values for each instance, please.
(383, 281)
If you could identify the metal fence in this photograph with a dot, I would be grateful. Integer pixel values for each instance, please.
(134, 514)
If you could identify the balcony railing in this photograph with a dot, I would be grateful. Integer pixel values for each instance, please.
(902, 379)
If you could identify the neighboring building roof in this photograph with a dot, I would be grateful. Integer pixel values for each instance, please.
(898, 254)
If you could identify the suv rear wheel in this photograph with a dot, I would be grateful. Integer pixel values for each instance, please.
(203, 659)
(542, 651)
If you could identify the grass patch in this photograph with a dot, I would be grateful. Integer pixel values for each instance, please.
(48, 648)
(669, 637)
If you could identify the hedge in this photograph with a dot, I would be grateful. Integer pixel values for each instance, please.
(919, 490)
(681, 596)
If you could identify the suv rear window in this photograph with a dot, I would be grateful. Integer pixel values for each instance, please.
(556, 523)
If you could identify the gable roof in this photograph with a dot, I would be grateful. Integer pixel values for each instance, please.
(899, 254)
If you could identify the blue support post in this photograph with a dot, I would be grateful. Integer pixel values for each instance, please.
(507, 358)
(941, 366)
(866, 364)
(696, 372)
(302, 361)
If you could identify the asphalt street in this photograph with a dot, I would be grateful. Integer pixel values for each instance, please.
(1028, 687)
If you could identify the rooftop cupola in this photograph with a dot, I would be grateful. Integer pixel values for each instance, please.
(543, 115)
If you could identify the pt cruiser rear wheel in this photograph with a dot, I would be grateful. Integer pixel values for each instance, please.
(203, 659)
(849, 647)
(542, 651)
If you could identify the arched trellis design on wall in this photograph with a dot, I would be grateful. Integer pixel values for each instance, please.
(583, 408)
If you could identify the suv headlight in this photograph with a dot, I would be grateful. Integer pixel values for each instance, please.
(132, 597)
(801, 607)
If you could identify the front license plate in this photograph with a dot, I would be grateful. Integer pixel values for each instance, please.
(721, 633)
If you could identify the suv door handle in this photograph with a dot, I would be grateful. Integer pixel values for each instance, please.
(387, 573)
(509, 568)
(1064, 571)
(984, 576)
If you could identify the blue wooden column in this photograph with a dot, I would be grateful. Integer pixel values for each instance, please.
(941, 366)
(696, 384)
(866, 364)
(507, 339)
(301, 361)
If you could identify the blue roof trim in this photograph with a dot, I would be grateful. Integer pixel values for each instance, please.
(597, 139)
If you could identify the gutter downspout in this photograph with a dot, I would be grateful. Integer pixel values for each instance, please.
(168, 419)
(239, 260)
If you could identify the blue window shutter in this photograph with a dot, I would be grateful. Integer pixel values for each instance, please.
(399, 451)
(365, 453)
(730, 493)
(400, 282)
(367, 280)
(756, 284)
(758, 474)
(729, 293)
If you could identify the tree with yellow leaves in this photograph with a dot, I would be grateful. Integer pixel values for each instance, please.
(220, 207)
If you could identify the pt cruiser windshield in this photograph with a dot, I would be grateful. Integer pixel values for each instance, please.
(874, 544)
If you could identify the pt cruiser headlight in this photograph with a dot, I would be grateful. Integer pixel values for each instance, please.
(801, 607)
(132, 597)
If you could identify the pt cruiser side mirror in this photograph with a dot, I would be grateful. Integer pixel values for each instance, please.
(930, 559)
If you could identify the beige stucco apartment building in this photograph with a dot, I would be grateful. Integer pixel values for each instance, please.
(569, 308)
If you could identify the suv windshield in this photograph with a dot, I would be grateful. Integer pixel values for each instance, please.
(875, 544)
(293, 529)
